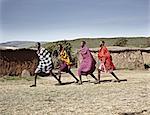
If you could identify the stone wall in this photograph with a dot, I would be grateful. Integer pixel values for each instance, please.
(127, 58)
(146, 57)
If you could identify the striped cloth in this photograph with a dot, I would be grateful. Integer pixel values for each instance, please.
(45, 61)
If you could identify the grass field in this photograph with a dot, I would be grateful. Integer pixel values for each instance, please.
(131, 97)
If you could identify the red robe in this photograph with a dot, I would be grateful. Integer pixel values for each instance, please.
(106, 60)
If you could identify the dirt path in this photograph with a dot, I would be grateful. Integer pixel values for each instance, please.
(107, 98)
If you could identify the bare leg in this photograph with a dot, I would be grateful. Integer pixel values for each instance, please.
(93, 76)
(80, 82)
(99, 73)
(69, 71)
(34, 85)
(55, 77)
(59, 75)
(112, 73)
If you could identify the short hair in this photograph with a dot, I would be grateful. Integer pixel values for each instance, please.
(38, 43)
(60, 45)
(103, 42)
(84, 42)
(55, 53)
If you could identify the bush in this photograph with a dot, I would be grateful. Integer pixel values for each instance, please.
(121, 42)
(53, 48)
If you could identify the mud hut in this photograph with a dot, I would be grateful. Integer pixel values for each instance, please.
(13, 61)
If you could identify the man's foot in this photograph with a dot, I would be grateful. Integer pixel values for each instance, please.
(79, 83)
(97, 82)
(33, 85)
(59, 82)
(118, 80)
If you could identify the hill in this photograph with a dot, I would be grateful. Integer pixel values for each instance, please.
(19, 44)
(94, 42)
(91, 42)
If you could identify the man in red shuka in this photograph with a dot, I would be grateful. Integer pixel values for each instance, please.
(106, 64)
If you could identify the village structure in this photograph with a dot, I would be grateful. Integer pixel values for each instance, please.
(16, 61)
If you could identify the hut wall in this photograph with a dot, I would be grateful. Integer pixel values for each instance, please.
(127, 59)
(146, 57)
(13, 62)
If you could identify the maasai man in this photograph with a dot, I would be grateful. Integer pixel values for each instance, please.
(65, 63)
(106, 64)
(87, 65)
(45, 64)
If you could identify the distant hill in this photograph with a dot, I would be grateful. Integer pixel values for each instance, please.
(91, 42)
(94, 42)
(19, 44)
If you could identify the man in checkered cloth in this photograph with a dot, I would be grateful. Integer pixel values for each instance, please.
(45, 65)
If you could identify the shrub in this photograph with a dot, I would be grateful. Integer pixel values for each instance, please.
(147, 43)
(121, 42)
(67, 46)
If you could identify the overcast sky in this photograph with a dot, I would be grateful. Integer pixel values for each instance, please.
(51, 20)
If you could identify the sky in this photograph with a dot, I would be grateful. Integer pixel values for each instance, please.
(53, 20)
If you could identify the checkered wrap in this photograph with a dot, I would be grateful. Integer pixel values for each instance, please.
(45, 62)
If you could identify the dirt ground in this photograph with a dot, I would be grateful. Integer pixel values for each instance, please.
(131, 97)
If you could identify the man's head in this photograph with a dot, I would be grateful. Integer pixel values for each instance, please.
(55, 53)
(38, 45)
(102, 43)
(60, 47)
(83, 43)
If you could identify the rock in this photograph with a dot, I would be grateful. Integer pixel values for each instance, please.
(25, 73)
